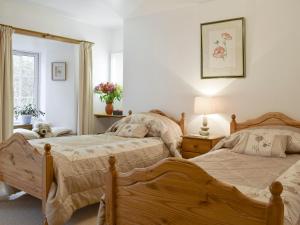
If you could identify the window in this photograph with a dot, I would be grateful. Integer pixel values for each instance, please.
(26, 73)
(116, 68)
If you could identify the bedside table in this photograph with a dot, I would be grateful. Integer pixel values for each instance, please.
(193, 145)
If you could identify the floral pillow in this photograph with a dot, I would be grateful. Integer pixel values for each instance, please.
(262, 144)
(293, 145)
(158, 126)
(134, 130)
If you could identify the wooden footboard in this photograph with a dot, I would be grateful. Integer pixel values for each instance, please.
(178, 192)
(24, 168)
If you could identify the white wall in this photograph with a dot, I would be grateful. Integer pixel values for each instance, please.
(116, 46)
(39, 18)
(117, 40)
(58, 99)
(162, 61)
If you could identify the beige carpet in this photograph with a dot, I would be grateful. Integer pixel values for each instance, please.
(26, 210)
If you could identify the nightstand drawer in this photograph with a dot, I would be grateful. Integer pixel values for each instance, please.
(188, 155)
(192, 145)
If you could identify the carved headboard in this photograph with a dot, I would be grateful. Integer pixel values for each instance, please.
(272, 118)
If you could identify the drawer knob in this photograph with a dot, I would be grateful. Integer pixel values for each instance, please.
(195, 146)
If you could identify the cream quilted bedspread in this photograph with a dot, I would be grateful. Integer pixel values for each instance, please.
(79, 165)
(252, 175)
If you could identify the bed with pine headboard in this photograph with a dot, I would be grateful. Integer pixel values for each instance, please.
(23, 167)
(179, 192)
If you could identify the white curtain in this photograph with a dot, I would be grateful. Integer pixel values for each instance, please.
(6, 94)
(6, 83)
(85, 106)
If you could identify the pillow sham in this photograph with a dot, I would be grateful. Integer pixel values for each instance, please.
(262, 144)
(158, 126)
(134, 130)
(60, 131)
(293, 145)
(28, 134)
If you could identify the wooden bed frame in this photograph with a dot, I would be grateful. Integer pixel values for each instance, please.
(24, 168)
(178, 192)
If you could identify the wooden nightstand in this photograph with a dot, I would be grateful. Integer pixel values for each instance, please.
(193, 145)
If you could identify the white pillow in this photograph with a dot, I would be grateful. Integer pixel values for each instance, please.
(293, 145)
(60, 131)
(266, 144)
(134, 130)
(28, 134)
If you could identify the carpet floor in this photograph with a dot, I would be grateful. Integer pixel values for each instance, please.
(26, 210)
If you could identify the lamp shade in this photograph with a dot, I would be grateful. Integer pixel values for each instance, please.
(204, 105)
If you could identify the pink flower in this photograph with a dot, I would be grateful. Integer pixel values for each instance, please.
(219, 52)
(106, 88)
(226, 36)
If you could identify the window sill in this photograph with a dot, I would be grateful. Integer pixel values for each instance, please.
(23, 126)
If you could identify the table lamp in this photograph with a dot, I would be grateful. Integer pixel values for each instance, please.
(204, 107)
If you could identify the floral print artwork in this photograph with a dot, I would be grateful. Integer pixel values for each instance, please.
(220, 50)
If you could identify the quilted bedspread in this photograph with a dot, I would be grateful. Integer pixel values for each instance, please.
(252, 175)
(80, 163)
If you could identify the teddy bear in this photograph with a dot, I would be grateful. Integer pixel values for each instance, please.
(43, 129)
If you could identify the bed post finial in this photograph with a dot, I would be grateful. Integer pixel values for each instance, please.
(276, 207)
(183, 115)
(130, 112)
(47, 148)
(182, 122)
(233, 124)
(276, 189)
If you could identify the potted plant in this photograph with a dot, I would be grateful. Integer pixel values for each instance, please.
(108, 93)
(27, 112)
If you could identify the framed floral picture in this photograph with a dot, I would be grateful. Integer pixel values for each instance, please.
(223, 49)
(59, 71)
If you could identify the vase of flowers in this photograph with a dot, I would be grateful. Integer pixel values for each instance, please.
(27, 112)
(108, 93)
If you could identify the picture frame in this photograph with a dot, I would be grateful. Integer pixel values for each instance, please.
(59, 71)
(223, 49)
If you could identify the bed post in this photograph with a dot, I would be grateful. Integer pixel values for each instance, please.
(275, 212)
(233, 124)
(110, 192)
(47, 177)
(181, 122)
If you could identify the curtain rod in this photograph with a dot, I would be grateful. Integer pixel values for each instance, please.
(45, 35)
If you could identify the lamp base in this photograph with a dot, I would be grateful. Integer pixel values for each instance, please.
(204, 133)
(204, 129)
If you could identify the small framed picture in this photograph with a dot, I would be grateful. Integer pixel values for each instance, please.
(59, 71)
(223, 49)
